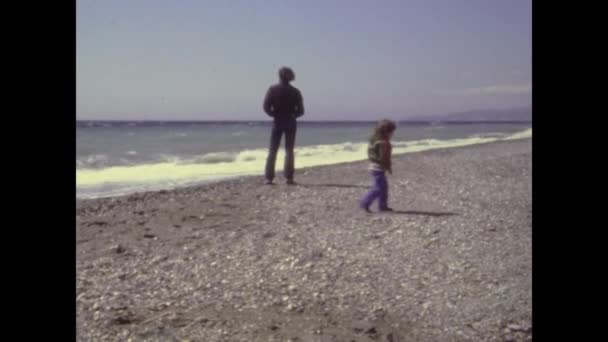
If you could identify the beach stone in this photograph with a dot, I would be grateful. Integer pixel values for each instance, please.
(120, 249)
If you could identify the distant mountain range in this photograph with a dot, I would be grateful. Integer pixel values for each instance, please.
(492, 115)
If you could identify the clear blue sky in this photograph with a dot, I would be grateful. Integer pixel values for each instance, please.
(353, 59)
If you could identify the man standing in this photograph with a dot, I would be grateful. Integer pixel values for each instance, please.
(284, 103)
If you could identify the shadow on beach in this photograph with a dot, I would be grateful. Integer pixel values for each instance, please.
(333, 185)
(427, 213)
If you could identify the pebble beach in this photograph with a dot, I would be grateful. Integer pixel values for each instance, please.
(238, 260)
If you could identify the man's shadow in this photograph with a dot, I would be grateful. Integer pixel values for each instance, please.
(334, 185)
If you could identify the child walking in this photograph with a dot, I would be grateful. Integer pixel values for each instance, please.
(379, 153)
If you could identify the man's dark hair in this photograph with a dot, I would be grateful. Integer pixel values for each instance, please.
(286, 74)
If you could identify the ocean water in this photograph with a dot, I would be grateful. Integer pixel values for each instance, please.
(116, 158)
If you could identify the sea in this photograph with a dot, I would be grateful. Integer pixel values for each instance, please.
(121, 157)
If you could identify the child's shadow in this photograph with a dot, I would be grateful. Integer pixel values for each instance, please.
(426, 213)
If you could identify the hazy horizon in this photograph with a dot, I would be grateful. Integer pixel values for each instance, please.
(354, 60)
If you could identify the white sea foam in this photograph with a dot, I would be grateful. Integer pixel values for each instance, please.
(172, 171)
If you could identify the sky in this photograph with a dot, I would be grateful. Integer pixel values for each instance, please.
(353, 59)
